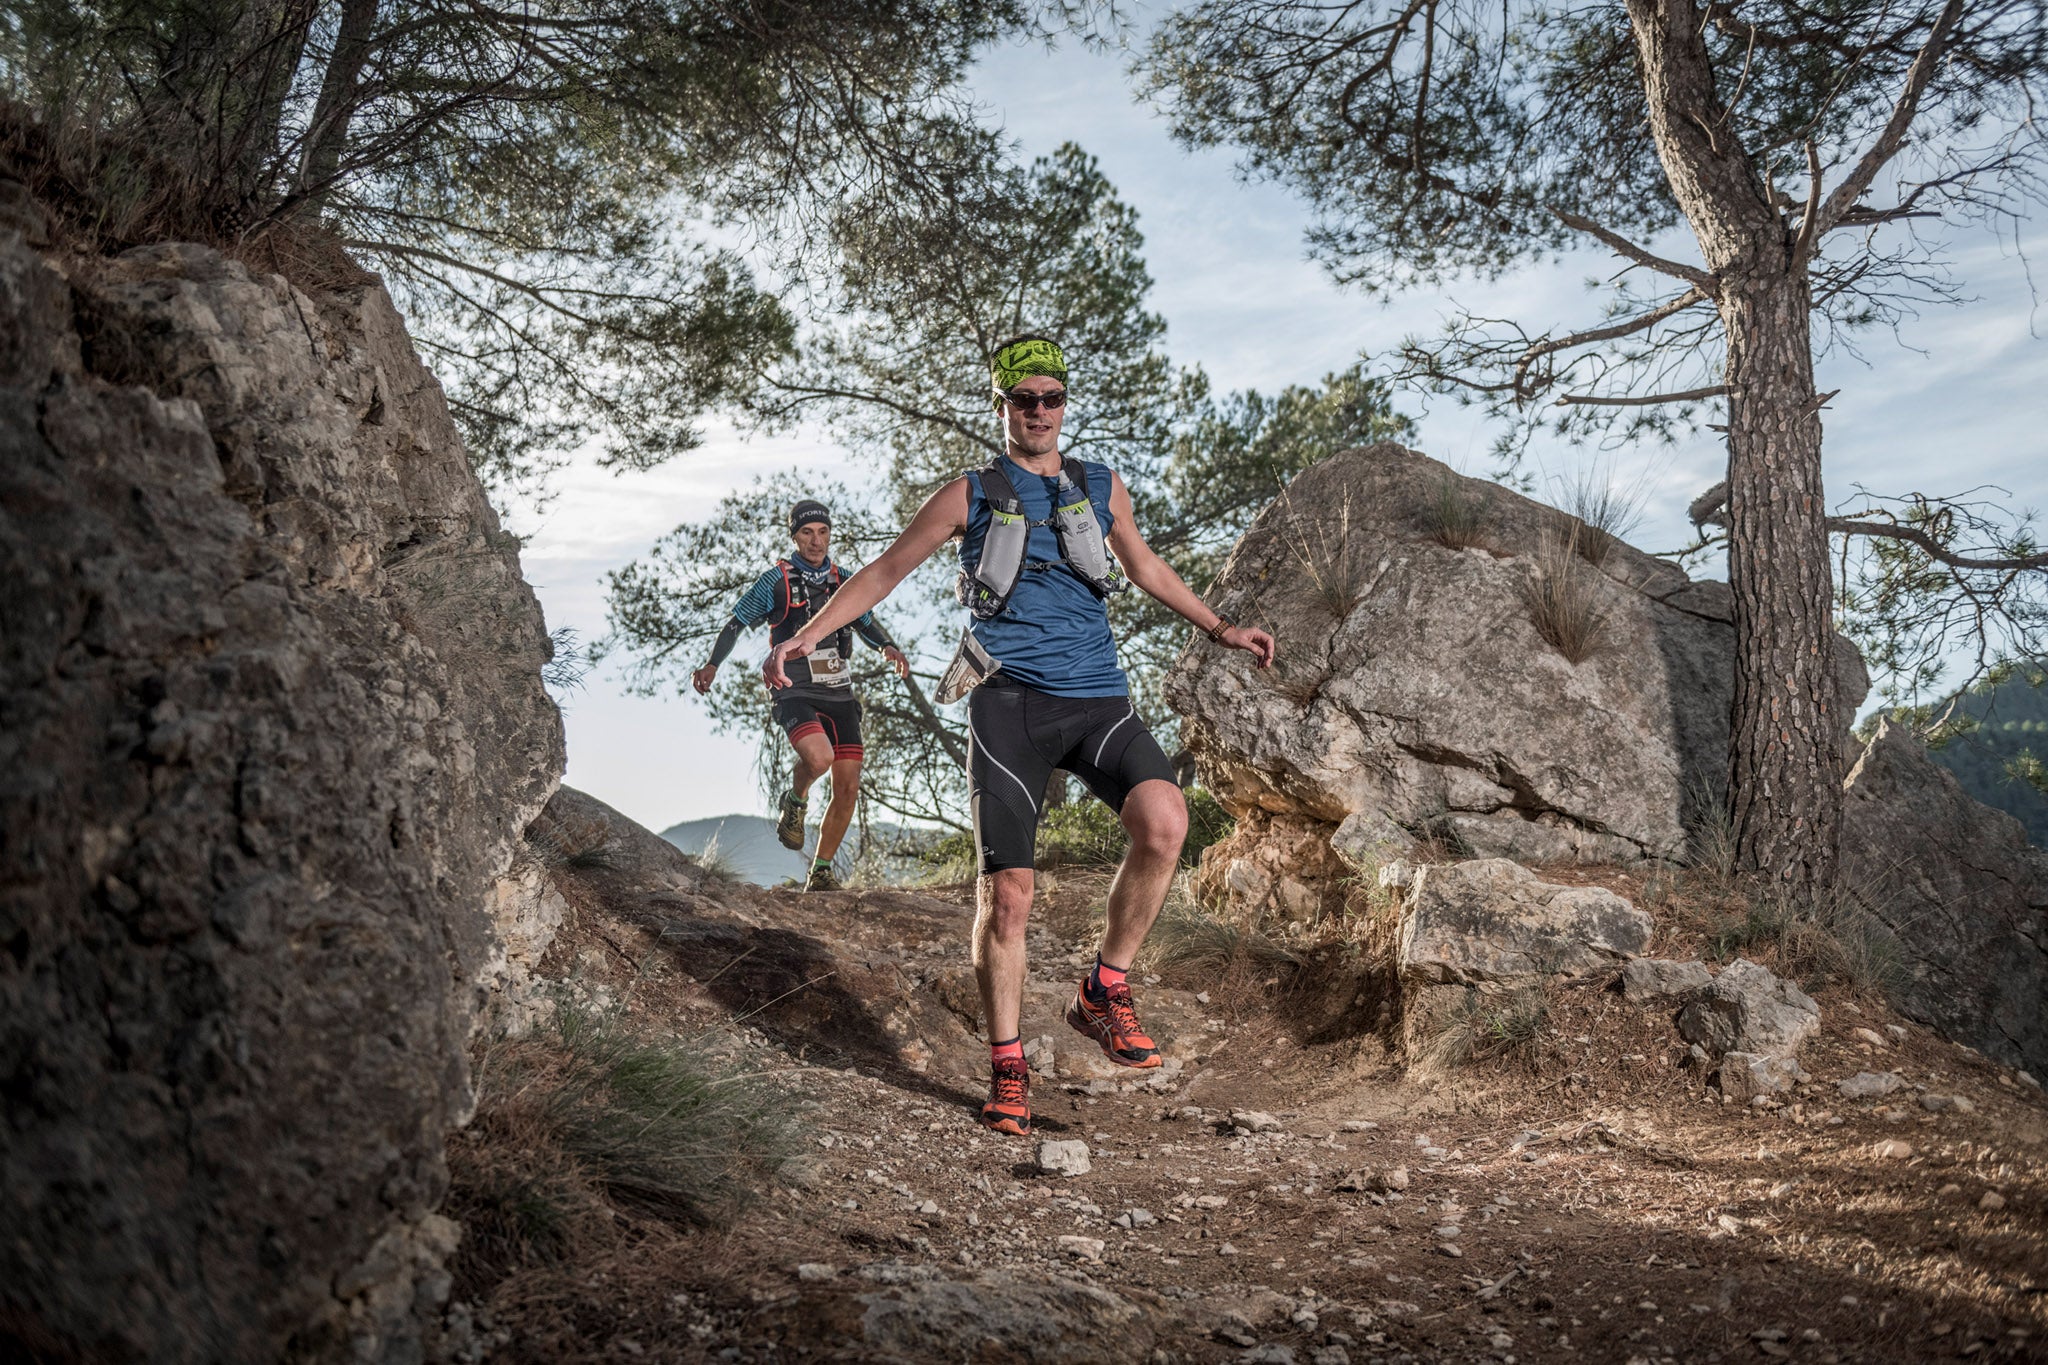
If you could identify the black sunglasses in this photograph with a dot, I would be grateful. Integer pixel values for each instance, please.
(1032, 402)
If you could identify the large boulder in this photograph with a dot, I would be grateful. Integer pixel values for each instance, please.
(1413, 684)
(1963, 893)
(1490, 927)
(1494, 921)
(273, 724)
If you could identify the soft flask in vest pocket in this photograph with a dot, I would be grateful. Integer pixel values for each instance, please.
(987, 590)
(1081, 543)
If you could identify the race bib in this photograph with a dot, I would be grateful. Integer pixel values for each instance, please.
(828, 668)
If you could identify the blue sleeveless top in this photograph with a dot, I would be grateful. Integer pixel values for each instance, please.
(1054, 634)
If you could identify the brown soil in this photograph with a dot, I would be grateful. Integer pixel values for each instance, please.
(1584, 1197)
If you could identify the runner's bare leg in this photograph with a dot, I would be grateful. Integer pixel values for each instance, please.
(1002, 909)
(1155, 815)
(838, 815)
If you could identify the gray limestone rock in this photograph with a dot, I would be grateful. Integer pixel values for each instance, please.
(274, 724)
(1007, 1317)
(1748, 1009)
(1650, 979)
(1869, 1085)
(1063, 1158)
(1494, 921)
(1960, 891)
(1745, 1075)
(1421, 694)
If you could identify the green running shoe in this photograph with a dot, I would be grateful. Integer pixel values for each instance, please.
(789, 823)
(821, 879)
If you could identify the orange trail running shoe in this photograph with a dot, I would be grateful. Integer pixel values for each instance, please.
(1113, 1023)
(1009, 1098)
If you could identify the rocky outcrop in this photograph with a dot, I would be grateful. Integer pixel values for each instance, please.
(1480, 928)
(1750, 1010)
(1414, 688)
(1963, 893)
(1493, 921)
(273, 725)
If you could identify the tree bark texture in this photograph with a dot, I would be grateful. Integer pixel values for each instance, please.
(1784, 741)
(1784, 746)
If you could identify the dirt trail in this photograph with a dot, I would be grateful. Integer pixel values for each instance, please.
(1283, 1192)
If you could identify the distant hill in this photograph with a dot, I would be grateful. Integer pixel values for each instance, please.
(2012, 720)
(747, 844)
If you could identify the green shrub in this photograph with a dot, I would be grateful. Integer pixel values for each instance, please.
(1083, 833)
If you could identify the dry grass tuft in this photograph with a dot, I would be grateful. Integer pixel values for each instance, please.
(1455, 516)
(584, 1128)
(1563, 597)
(1499, 1027)
(1196, 944)
(1332, 560)
(1606, 515)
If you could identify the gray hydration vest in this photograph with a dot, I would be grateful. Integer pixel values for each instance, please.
(986, 591)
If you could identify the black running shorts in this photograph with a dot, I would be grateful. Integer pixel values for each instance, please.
(1017, 735)
(838, 720)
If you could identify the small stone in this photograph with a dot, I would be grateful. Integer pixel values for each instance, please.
(813, 1271)
(1256, 1121)
(1646, 979)
(1868, 1085)
(1450, 1232)
(1272, 1353)
(1992, 1201)
(1329, 1355)
(1870, 1036)
(1357, 1125)
(1898, 1032)
(1201, 997)
(1891, 1149)
(1135, 1218)
(1082, 1248)
(1946, 1190)
(1236, 1329)
(1226, 1250)
(2027, 1078)
(1389, 1181)
(1451, 1249)
(1063, 1158)
(928, 1208)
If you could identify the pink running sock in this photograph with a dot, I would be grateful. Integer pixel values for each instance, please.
(1014, 1048)
(1104, 976)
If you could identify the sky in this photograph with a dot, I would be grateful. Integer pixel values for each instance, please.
(1966, 405)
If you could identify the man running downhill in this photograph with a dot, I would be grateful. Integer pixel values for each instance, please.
(815, 705)
(1034, 531)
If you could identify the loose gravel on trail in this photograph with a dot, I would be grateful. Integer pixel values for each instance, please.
(1282, 1190)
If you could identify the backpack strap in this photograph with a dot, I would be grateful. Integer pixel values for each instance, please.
(996, 488)
(782, 610)
(1077, 474)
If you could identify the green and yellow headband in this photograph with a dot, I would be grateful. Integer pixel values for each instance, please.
(1022, 359)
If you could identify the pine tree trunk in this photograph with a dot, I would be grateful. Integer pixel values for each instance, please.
(1784, 742)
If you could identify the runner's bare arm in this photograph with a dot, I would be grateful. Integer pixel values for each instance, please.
(1145, 568)
(943, 516)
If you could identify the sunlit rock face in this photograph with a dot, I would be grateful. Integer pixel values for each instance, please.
(1419, 699)
(273, 725)
(1415, 687)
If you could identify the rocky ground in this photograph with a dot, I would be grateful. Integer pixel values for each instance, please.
(1283, 1189)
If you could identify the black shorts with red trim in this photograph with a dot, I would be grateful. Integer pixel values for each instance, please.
(837, 719)
(1017, 736)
